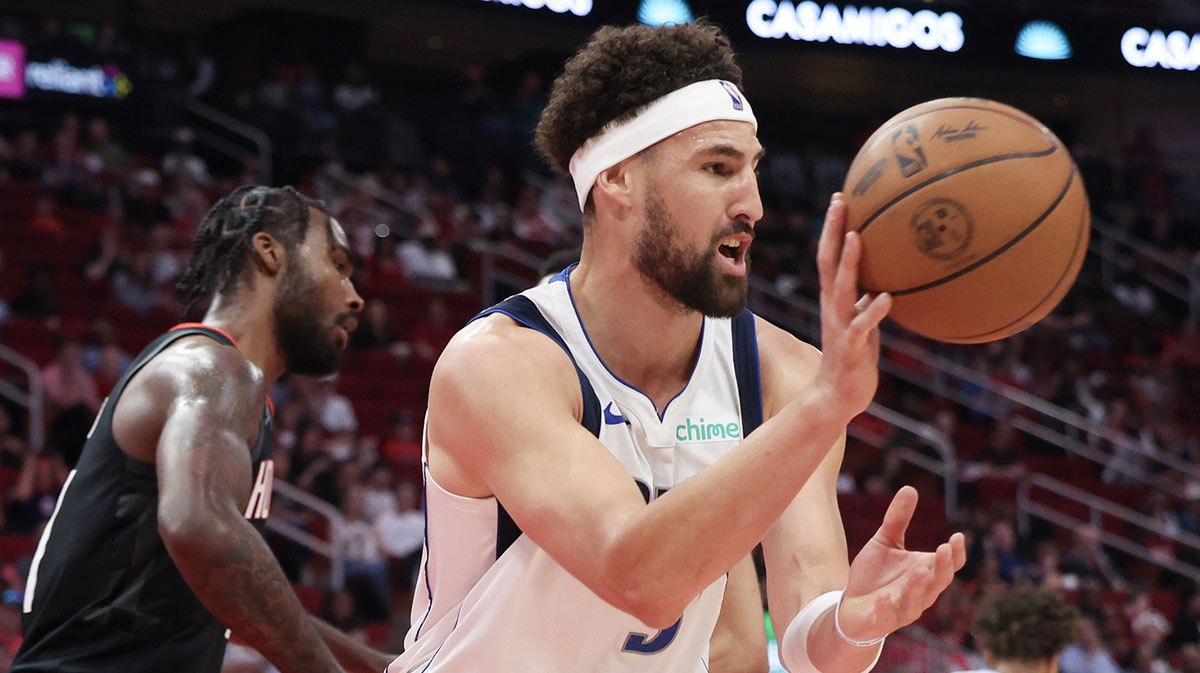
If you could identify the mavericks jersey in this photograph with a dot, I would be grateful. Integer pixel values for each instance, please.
(489, 599)
(103, 594)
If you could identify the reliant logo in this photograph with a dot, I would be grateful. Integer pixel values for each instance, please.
(664, 12)
(1043, 40)
(95, 81)
(711, 430)
(576, 7)
(1174, 51)
(12, 69)
(872, 26)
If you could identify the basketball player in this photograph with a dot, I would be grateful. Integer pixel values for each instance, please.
(152, 551)
(602, 449)
(739, 641)
(1024, 630)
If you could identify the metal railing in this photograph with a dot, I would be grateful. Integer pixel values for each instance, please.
(33, 399)
(915, 650)
(238, 128)
(1028, 506)
(946, 378)
(1118, 252)
(332, 549)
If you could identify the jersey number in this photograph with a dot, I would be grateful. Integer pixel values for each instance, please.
(637, 642)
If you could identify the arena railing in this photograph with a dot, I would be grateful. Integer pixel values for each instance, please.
(1098, 508)
(332, 549)
(32, 399)
(913, 649)
(1120, 252)
(946, 378)
(237, 128)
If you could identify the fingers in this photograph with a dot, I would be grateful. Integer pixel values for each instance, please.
(875, 310)
(845, 281)
(958, 546)
(829, 247)
(895, 520)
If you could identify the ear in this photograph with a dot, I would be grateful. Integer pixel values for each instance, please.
(268, 252)
(614, 186)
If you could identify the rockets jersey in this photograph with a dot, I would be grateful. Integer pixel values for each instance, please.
(103, 594)
(489, 599)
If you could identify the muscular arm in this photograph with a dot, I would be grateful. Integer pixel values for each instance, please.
(514, 431)
(354, 656)
(739, 641)
(204, 480)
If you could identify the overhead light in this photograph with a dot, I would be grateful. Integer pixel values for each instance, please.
(664, 12)
(1043, 40)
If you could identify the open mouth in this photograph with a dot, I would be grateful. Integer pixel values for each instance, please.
(734, 249)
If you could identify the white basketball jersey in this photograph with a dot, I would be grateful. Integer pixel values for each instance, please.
(489, 599)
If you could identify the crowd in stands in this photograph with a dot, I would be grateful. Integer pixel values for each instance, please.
(93, 234)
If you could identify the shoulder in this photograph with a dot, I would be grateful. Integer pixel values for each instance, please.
(199, 370)
(786, 364)
(495, 352)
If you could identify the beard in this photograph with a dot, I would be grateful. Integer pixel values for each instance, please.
(690, 278)
(308, 344)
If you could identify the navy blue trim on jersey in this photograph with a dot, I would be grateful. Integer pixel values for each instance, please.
(425, 541)
(661, 414)
(526, 313)
(745, 368)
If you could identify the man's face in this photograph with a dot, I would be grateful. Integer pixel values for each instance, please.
(315, 303)
(699, 210)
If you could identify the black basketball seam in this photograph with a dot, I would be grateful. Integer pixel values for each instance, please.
(1084, 225)
(1035, 125)
(945, 174)
(991, 255)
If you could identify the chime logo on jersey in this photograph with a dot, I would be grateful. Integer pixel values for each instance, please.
(708, 429)
(259, 506)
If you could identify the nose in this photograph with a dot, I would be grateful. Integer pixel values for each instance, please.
(748, 205)
(353, 301)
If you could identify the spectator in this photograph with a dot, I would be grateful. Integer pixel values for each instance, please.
(72, 399)
(31, 500)
(103, 338)
(12, 447)
(143, 201)
(355, 92)
(133, 286)
(182, 162)
(1087, 559)
(1089, 654)
(1001, 544)
(433, 331)
(112, 155)
(375, 332)
(26, 164)
(401, 446)
(44, 221)
(364, 559)
(378, 495)
(401, 532)
(332, 410)
(110, 369)
(38, 301)
(425, 260)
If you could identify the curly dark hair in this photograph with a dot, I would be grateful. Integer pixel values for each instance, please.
(1025, 624)
(222, 243)
(620, 71)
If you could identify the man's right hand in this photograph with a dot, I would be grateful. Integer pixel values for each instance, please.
(849, 371)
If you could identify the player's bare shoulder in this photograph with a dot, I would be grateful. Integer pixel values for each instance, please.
(192, 372)
(497, 346)
(786, 364)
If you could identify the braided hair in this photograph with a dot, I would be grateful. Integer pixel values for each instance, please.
(223, 239)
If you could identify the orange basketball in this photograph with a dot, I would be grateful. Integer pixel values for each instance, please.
(972, 215)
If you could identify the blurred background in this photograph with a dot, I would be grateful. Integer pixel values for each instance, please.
(1067, 453)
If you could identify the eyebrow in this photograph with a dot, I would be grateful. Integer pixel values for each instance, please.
(726, 150)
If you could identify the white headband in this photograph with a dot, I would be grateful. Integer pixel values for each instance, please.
(705, 101)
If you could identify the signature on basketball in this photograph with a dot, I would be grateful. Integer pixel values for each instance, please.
(950, 134)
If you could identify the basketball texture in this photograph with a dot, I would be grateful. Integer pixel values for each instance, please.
(972, 215)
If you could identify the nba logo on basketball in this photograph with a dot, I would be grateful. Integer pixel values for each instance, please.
(733, 93)
(259, 506)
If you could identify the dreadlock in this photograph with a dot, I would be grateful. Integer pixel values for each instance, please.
(223, 238)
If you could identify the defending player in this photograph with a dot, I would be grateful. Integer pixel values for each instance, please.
(152, 550)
